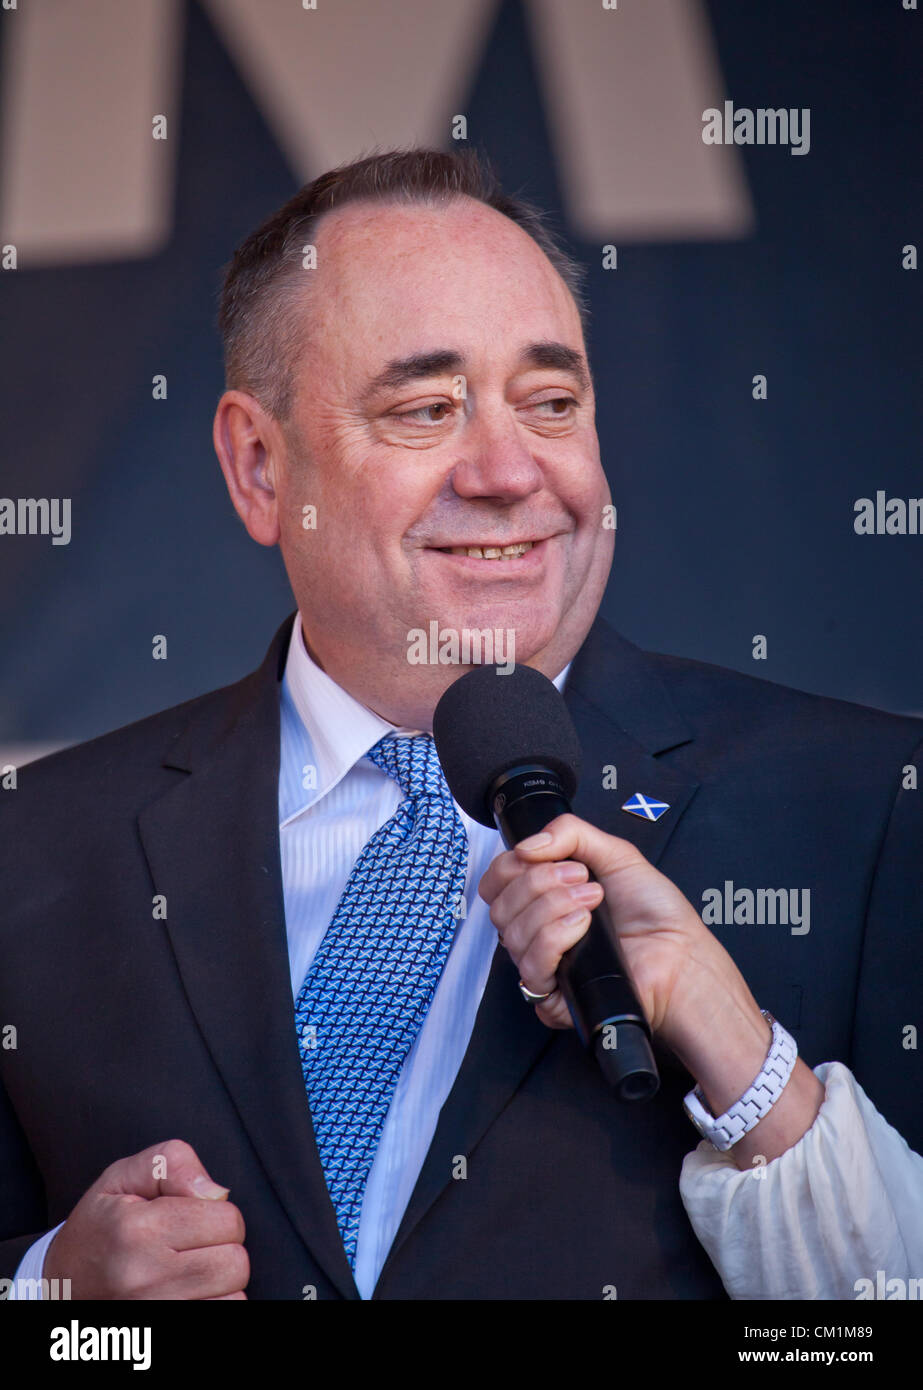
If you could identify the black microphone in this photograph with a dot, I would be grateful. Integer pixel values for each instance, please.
(511, 757)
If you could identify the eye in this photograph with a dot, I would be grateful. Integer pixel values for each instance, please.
(422, 413)
(567, 402)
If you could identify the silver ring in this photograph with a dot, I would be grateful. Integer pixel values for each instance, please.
(531, 998)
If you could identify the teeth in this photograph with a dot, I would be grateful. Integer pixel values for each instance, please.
(489, 552)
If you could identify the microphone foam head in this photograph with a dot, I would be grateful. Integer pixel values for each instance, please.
(488, 722)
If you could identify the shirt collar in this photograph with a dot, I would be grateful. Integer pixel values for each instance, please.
(325, 728)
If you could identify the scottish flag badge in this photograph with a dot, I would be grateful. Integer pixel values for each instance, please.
(645, 807)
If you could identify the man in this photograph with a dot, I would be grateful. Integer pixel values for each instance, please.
(251, 1056)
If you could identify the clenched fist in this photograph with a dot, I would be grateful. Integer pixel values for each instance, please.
(135, 1235)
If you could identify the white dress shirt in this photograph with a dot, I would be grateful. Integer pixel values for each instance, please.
(835, 1208)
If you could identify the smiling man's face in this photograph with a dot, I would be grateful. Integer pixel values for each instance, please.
(442, 403)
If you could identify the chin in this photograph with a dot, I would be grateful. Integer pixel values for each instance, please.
(529, 636)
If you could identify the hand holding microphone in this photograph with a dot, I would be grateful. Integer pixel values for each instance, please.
(638, 957)
(534, 895)
(511, 757)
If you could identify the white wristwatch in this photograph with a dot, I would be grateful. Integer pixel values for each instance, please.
(756, 1102)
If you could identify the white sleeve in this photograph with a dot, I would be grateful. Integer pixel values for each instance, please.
(842, 1206)
(29, 1274)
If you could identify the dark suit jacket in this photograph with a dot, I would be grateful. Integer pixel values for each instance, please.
(132, 1030)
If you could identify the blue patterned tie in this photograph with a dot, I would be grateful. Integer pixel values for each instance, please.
(373, 977)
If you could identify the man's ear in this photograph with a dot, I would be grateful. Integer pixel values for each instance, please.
(249, 446)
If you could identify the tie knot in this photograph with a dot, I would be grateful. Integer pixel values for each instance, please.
(413, 763)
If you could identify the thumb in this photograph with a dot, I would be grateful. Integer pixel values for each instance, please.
(170, 1169)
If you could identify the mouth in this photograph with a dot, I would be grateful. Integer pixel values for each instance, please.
(496, 553)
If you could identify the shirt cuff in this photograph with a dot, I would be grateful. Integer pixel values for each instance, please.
(27, 1281)
(837, 1215)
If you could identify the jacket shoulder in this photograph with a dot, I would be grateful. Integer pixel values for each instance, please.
(145, 743)
(143, 751)
(747, 704)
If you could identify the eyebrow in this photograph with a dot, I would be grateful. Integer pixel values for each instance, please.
(400, 371)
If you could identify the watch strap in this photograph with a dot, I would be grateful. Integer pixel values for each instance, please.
(725, 1130)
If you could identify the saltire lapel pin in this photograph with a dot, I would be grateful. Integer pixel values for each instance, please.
(645, 807)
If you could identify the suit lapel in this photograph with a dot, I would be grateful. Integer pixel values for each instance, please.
(626, 721)
(624, 716)
(212, 843)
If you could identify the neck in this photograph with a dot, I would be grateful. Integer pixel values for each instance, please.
(406, 695)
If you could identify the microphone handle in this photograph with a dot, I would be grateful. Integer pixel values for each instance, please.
(592, 975)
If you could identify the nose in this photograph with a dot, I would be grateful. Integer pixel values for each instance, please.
(496, 461)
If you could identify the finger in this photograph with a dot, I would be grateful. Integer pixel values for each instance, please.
(553, 1011)
(536, 884)
(225, 1297)
(538, 964)
(210, 1274)
(188, 1223)
(172, 1168)
(160, 1273)
(544, 912)
(498, 874)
